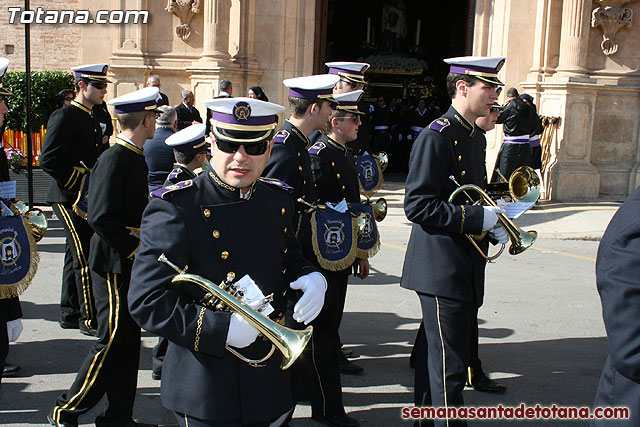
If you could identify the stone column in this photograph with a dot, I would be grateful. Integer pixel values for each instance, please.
(216, 32)
(574, 40)
(246, 56)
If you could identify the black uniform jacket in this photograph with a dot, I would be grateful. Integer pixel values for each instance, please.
(205, 224)
(517, 118)
(73, 136)
(334, 172)
(618, 282)
(186, 117)
(116, 209)
(439, 259)
(290, 162)
(178, 174)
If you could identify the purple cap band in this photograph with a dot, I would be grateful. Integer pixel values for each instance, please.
(462, 69)
(189, 146)
(347, 103)
(249, 121)
(340, 70)
(133, 107)
(309, 94)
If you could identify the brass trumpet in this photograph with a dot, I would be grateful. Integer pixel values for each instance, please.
(383, 160)
(35, 217)
(379, 209)
(289, 342)
(523, 186)
(520, 240)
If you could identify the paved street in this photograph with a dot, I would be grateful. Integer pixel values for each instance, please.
(540, 326)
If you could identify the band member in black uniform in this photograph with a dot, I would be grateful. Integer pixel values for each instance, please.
(71, 147)
(381, 121)
(476, 377)
(518, 124)
(190, 151)
(227, 222)
(618, 281)
(351, 79)
(310, 101)
(441, 265)
(335, 179)
(117, 203)
(11, 304)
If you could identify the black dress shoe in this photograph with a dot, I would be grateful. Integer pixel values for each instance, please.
(486, 385)
(156, 375)
(342, 420)
(347, 352)
(10, 370)
(62, 424)
(349, 368)
(69, 324)
(90, 332)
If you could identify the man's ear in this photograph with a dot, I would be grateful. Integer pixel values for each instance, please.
(461, 87)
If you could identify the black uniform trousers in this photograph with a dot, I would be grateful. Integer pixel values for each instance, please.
(4, 337)
(189, 421)
(111, 366)
(321, 356)
(78, 233)
(447, 324)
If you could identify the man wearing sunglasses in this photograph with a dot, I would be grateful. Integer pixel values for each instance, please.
(224, 224)
(71, 148)
(335, 179)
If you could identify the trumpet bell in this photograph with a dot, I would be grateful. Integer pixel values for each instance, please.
(38, 223)
(383, 160)
(523, 242)
(524, 184)
(379, 209)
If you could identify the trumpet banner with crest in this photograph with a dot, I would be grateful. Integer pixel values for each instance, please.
(18, 255)
(368, 242)
(369, 174)
(334, 238)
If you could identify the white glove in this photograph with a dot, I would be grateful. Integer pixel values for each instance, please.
(499, 234)
(313, 286)
(241, 334)
(490, 217)
(14, 329)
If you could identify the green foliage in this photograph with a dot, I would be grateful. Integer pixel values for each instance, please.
(44, 87)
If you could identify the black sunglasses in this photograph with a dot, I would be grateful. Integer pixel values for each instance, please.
(495, 109)
(98, 85)
(250, 149)
(68, 98)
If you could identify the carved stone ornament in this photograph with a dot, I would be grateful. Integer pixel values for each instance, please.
(610, 17)
(185, 10)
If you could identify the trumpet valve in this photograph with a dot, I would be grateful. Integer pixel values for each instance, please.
(265, 302)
